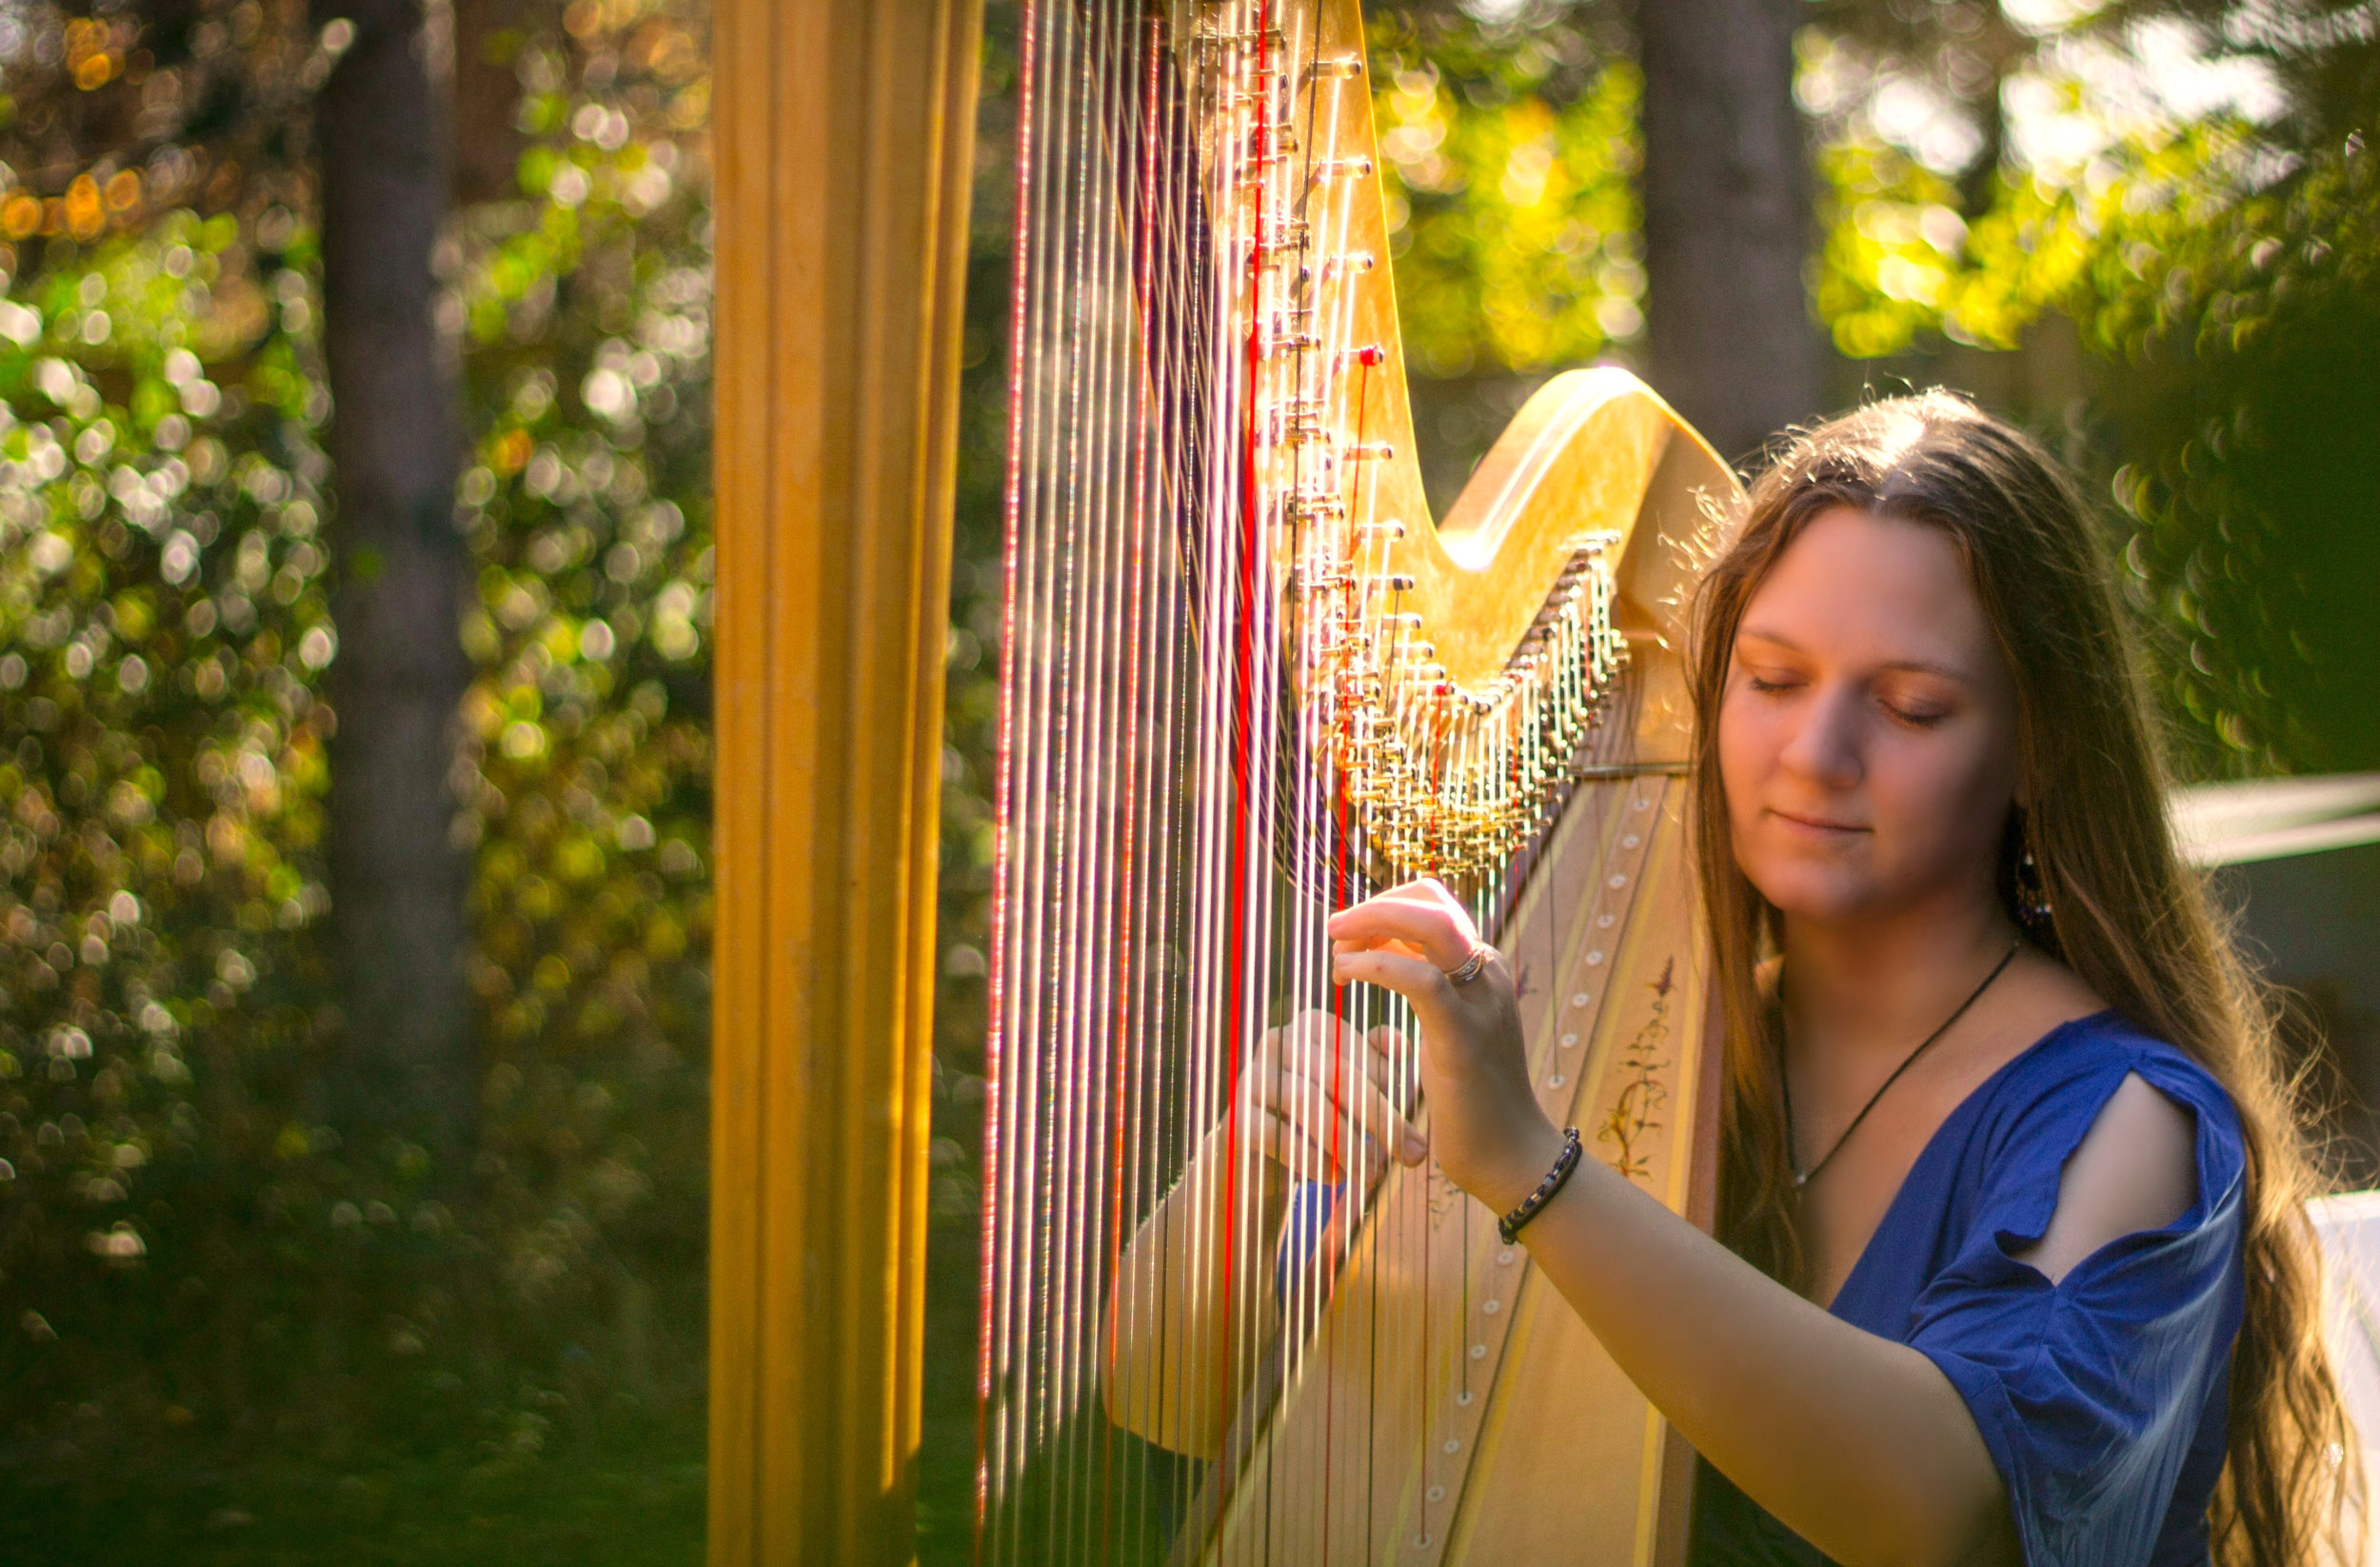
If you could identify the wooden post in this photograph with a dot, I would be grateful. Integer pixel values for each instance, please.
(845, 140)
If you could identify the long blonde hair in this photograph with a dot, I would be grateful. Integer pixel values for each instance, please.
(2127, 915)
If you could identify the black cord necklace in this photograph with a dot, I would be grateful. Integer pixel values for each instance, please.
(1801, 1178)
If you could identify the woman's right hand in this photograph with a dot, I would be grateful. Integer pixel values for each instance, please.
(1493, 1140)
(1296, 1094)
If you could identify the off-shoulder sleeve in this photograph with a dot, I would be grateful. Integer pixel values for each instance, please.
(2090, 1393)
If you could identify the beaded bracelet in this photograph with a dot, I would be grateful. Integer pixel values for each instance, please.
(1509, 1226)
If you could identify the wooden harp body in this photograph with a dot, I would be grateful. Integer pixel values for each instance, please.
(1248, 681)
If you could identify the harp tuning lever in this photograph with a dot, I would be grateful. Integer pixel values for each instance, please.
(1330, 169)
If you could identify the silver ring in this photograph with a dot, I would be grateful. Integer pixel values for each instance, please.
(1471, 966)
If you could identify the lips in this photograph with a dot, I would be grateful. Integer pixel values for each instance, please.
(1816, 824)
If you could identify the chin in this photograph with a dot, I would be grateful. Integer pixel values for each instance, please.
(1812, 892)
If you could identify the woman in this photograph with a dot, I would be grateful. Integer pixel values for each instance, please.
(2014, 1260)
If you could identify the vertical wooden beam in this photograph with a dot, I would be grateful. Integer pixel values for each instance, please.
(845, 140)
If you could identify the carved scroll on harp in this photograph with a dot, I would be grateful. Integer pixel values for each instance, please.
(1248, 680)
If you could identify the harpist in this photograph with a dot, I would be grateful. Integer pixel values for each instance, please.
(2012, 1261)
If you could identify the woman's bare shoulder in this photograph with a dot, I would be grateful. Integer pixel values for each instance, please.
(2135, 1169)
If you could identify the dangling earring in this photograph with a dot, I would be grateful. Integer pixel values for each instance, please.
(2033, 897)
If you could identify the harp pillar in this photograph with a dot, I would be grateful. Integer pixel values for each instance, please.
(845, 139)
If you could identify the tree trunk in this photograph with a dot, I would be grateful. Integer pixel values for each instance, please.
(488, 137)
(1727, 201)
(405, 1065)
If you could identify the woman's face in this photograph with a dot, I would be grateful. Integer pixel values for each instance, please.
(1867, 735)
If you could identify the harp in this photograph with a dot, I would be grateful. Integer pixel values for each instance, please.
(1248, 681)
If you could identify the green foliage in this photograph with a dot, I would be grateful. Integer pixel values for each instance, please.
(586, 770)
(2224, 280)
(1900, 266)
(163, 620)
(1513, 220)
(187, 1256)
(2249, 332)
(1893, 238)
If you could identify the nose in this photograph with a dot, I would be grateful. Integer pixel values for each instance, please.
(1824, 745)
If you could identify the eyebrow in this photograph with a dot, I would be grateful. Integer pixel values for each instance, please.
(1921, 666)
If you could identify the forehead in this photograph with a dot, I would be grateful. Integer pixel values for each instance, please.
(1857, 587)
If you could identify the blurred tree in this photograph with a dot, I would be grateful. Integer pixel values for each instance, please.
(405, 1063)
(1727, 225)
(486, 141)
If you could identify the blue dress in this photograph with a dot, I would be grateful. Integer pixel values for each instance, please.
(2102, 1397)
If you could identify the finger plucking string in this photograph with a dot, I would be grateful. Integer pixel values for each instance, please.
(1421, 914)
(1417, 980)
(1314, 1084)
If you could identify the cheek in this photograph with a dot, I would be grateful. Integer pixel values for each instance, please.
(1745, 756)
(1747, 752)
(1941, 798)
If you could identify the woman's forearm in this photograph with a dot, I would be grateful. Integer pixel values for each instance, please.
(1858, 1444)
(1178, 1345)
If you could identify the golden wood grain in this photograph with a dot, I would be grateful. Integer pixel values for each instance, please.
(845, 134)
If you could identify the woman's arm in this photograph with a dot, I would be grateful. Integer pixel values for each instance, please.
(1172, 1369)
(1860, 1445)
(1191, 1309)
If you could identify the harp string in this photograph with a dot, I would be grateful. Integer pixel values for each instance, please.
(1027, 681)
(1172, 827)
(1161, 391)
(1079, 960)
(1131, 1019)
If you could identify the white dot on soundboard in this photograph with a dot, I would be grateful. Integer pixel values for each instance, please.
(1491, 1307)
(1630, 842)
(1454, 1444)
(1640, 805)
(1504, 1255)
(1437, 1493)
(1604, 922)
(1558, 1080)
(1422, 1539)
(1479, 1352)
(1594, 957)
(1569, 1040)
(1619, 878)
(1580, 999)
(1463, 1397)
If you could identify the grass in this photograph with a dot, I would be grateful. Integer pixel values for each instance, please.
(629, 1495)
